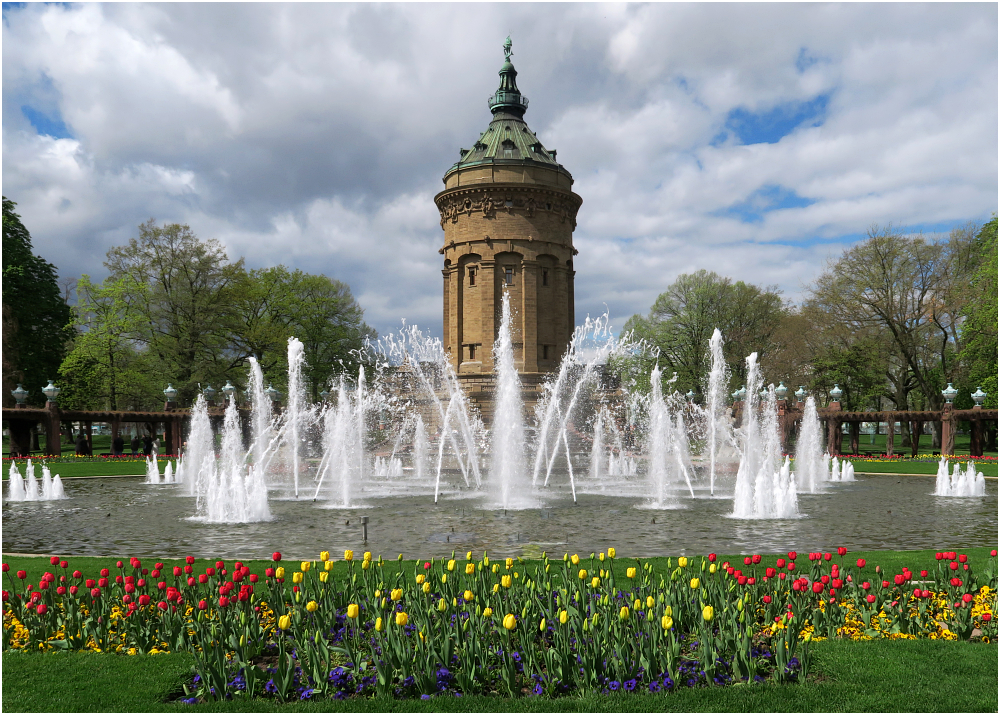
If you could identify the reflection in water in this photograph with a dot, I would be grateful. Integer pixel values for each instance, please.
(117, 517)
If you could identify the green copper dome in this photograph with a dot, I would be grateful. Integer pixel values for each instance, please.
(508, 139)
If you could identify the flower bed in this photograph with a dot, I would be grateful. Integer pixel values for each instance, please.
(468, 626)
(84, 459)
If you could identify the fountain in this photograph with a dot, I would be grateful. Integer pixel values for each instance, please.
(959, 484)
(27, 488)
(152, 471)
(765, 488)
(509, 487)
(718, 423)
(811, 469)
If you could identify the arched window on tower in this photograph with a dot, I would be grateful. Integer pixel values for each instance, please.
(509, 150)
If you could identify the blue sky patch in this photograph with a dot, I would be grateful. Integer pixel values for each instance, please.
(805, 60)
(45, 124)
(770, 126)
(767, 198)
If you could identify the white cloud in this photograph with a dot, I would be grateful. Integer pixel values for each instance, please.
(316, 135)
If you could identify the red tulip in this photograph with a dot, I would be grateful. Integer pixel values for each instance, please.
(61, 590)
(253, 578)
(189, 569)
(189, 560)
(22, 575)
(95, 592)
(885, 584)
(145, 572)
(825, 579)
(191, 581)
(91, 583)
(925, 594)
(202, 605)
(126, 599)
(987, 616)
(993, 552)
(747, 561)
(766, 599)
(156, 573)
(791, 566)
(220, 564)
(202, 578)
(64, 564)
(427, 565)
(752, 580)
(952, 555)
(158, 566)
(780, 563)
(923, 574)
(295, 589)
(77, 574)
(916, 592)
(161, 585)
(162, 605)
(41, 609)
(962, 558)
(792, 555)
(730, 570)
(756, 558)
(827, 556)
(276, 556)
(967, 598)
(43, 584)
(54, 560)
(781, 575)
(953, 566)
(939, 555)
(102, 582)
(838, 583)
(6, 568)
(210, 571)
(770, 572)
(841, 551)
(129, 588)
(119, 579)
(73, 590)
(817, 587)
(177, 571)
(899, 579)
(956, 582)
(144, 600)
(119, 564)
(141, 582)
(870, 598)
(712, 557)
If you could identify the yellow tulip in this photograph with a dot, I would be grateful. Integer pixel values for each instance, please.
(708, 613)
(402, 618)
(547, 567)
(420, 578)
(368, 556)
(348, 555)
(667, 622)
(611, 552)
(682, 561)
(669, 611)
(496, 588)
(623, 614)
(575, 559)
(506, 581)
(636, 605)
(595, 582)
(515, 574)
(324, 555)
(451, 564)
(601, 557)
(695, 583)
(285, 622)
(366, 565)
(378, 624)
(468, 556)
(509, 563)
(305, 566)
(487, 612)
(442, 605)
(427, 587)
(444, 578)
(541, 626)
(650, 602)
(323, 576)
(582, 574)
(396, 594)
(470, 569)
(711, 568)
(486, 559)
(297, 577)
(630, 572)
(279, 572)
(468, 595)
(509, 622)
(495, 568)
(563, 617)
(454, 602)
(352, 610)
(312, 606)
(378, 595)
(328, 565)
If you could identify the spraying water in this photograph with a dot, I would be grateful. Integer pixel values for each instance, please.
(959, 484)
(507, 468)
(810, 463)
(718, 380)
(296, 358)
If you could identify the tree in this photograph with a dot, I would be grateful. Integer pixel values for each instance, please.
(681, 321)
(35, 317)
(104, 369)
(979, 331)
(178, 287)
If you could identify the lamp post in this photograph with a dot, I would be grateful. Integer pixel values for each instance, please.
(690, 395)
(324, 396)
(978, 397)
(835, 394)
(20, 395)
(171, 394)
(740, 394)
(781, 391)
(229, 390)
(800, 394)
(273, 394)
(209, 393)
(949, 393)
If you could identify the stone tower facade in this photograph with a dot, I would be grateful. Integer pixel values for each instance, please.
(508, 214)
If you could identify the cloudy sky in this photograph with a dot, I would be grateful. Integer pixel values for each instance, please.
(752, 140)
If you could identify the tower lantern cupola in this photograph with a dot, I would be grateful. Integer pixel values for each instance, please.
(508, 98)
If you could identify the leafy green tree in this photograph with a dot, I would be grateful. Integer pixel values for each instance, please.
(104, 369)
(979, 331)
(681, 321)
(35, 316)
(179, 289)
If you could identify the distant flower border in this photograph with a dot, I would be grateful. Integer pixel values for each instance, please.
(76, 458)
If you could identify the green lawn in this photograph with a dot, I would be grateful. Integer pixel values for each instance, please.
(929, 467)
(876, 676)
(101, 444)
(924, 448)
